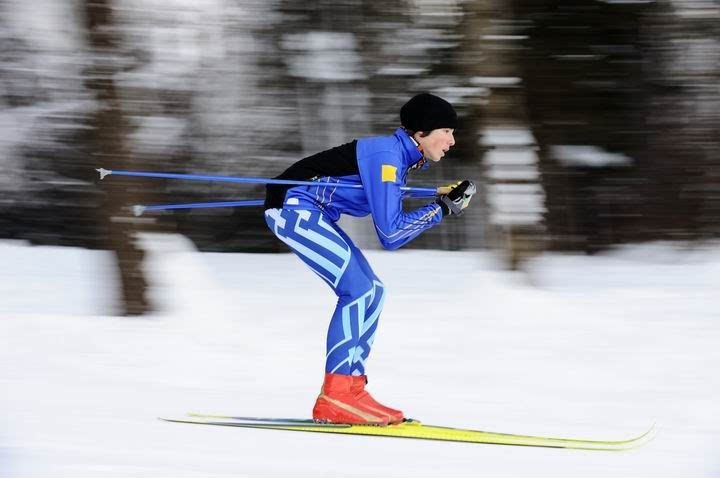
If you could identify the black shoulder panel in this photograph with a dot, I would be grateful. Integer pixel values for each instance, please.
(338, 161)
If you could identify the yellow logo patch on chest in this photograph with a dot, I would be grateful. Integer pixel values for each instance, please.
(389, 173)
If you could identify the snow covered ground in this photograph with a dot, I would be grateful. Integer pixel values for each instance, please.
(597, 347)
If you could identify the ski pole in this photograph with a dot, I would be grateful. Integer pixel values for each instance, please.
(139, 209)
(409, 191)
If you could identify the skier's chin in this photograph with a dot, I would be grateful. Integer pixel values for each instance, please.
(436, 158)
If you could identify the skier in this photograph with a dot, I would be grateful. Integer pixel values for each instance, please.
(304, 218)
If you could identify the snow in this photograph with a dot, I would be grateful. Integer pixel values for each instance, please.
(55, 30)
(513, 174)
(504, 37)
(17, 125)
(588, 346)
(496, 81)
(327, 56)
(161, 135)
(628, 1)
(513, 157)
(400, 71)
(589, 156)
(458, 94)
(508, 136)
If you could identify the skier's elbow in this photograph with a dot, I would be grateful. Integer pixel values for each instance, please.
(391, 237)
(391, 246)
(388, 242)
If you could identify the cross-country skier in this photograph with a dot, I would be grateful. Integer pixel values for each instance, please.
(304, 218)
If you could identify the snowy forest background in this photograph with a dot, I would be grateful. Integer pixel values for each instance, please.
(587, 124)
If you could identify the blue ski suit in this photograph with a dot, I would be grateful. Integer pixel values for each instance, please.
(304, 218)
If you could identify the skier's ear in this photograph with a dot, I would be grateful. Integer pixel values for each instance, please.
(418, 135)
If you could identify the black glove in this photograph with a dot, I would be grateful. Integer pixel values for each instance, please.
(458, 198)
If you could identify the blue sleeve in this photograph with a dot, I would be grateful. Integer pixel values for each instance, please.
(381, 178)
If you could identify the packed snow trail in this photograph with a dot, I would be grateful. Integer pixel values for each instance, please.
(581, 346)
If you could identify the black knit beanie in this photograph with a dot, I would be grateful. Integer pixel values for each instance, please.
(426, 112)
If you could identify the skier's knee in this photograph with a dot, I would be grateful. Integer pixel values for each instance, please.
(379, 287)
(358, 287)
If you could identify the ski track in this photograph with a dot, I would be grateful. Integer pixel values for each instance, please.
(590, 347)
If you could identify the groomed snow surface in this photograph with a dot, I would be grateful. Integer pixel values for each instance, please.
(598, 347)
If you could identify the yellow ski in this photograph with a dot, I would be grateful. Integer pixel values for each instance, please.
(414, 429)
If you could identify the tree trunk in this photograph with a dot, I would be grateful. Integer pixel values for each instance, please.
(108, 145)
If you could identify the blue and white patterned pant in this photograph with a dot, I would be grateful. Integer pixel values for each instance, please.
(331, 254)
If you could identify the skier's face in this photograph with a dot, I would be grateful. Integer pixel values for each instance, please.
(437, 143)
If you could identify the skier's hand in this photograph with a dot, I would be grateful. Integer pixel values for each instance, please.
(446, 189)
(458, 198)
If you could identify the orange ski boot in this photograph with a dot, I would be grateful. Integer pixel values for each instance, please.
(358, 388)
(340, 402)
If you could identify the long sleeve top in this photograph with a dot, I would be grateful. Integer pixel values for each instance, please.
(381, 165)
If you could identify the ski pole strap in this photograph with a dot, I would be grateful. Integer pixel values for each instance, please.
(408, 191)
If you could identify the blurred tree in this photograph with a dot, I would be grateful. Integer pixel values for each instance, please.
(46, 191)
(583, 74)
(209, 94)
(321, 47)
(679, 40)
(624, 102)
(109, 147)
(621, 98)
(514, 206)
(441, 43)
(427, 45)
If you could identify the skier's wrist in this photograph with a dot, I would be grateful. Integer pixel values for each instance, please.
(444, 207)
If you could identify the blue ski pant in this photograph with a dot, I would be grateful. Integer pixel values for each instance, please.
(331, 254)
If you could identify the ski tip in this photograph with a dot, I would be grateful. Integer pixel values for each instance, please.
(103, 172)
(650, 434)
(138, 210)
(638, 441)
